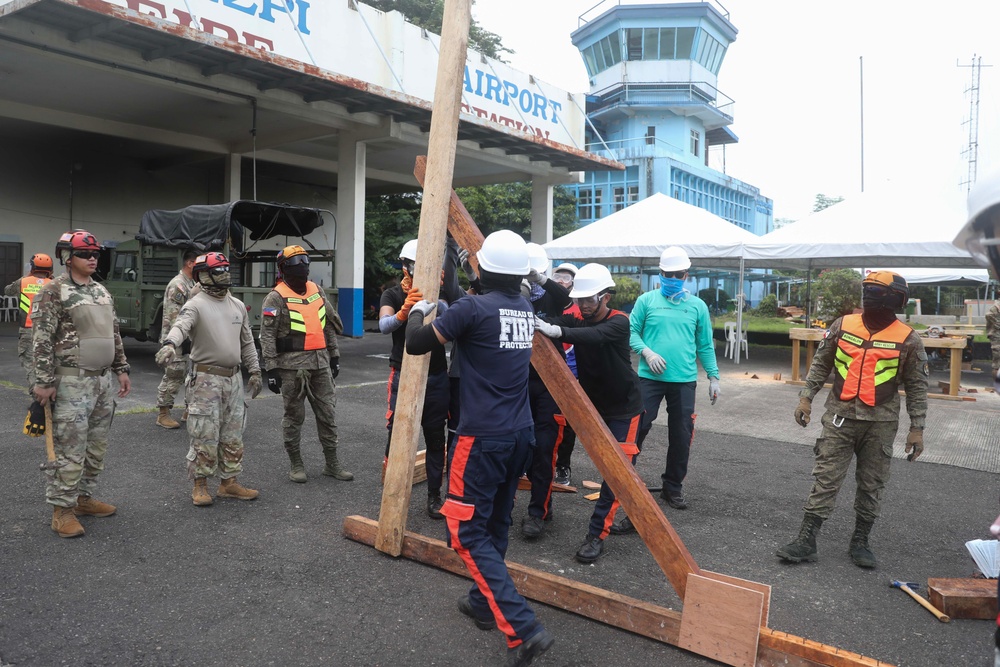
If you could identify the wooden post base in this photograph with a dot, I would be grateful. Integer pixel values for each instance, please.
(774, 649)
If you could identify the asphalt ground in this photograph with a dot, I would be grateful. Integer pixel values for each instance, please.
(273, 582)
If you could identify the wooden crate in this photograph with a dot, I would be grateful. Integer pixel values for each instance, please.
(964, 598)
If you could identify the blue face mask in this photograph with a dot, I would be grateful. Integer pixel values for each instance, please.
(670, 287)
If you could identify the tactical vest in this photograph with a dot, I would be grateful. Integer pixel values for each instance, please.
(30, 287)
(866, 364)
(308, 319)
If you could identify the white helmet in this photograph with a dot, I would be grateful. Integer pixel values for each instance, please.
(674, 259)
(566, 267)
(981, 234)
(504, 252)
(591, 279)
(409, 250)
(539, 260)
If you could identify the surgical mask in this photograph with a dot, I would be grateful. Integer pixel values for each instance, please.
(671, 287)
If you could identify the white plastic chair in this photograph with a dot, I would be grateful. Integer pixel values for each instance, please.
(734, 341)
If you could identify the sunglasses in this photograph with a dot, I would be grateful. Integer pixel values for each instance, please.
(877, 290)
(409, 267)
(296, 260)
(218, 270)
(672, 274)
(87, 254)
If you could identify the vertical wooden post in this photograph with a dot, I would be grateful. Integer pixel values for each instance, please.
(430, 254)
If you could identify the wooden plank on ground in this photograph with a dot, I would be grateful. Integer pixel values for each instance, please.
(430, 254)
(721, 621)
(964, 598)
(775, 649)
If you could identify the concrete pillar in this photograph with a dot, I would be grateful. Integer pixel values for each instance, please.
(350, 255)
(541, 211)
(234, 175)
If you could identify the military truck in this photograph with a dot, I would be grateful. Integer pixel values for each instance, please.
(136, 272)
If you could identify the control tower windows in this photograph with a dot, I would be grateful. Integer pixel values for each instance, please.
(659, 43)
(603, 54)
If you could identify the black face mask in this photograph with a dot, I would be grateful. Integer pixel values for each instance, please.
(296, 276)
(879, 308)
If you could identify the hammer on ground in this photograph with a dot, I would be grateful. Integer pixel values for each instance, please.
(50, 447)
(908, 588)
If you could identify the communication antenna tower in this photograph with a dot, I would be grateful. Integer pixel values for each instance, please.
(971, 151)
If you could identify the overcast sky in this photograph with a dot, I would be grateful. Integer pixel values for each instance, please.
(794, 73)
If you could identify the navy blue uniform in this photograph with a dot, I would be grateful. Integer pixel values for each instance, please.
(493, 332)
(604, 368)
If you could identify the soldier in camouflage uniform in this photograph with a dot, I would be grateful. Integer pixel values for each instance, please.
(872, 355)
(178, 291)
(993, 333)
(219, 329)
(75, 343)
(298, 339)
(25, 289)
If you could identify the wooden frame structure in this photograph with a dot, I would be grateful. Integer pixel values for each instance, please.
(723, 617)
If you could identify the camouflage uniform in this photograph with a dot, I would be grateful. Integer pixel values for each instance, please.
(216, 408)
(84, 407)
(23, 332)
(993, 333)
(303, 373)
(178, 291)
(866, 431)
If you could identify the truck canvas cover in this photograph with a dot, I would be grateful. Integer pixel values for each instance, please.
(208, 227)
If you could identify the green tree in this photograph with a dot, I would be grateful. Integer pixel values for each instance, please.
(429, 14)
(390, 221)
(626, 292)
(508, 206)
(838, 292)
(825, 201)
(768, 306)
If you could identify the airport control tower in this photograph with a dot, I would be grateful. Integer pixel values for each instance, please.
(654, 106)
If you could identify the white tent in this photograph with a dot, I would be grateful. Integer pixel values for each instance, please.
(943, 277)
(637, 235)
(888, 227)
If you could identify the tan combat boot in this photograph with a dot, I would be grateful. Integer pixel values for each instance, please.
(64, 522)
(87, 506)
(165, 420)
(230, 488)
(200, 495)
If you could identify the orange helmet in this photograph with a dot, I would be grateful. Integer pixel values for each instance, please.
(41, 262)
(79, 239)
(893, 281)
(288, 253)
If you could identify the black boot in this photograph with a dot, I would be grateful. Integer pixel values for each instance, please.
(434, 506)
(803, 548)
(861, 553)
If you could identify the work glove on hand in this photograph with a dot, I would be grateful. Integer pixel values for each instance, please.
(656, 363)
(335, 366)
(803, 411)
(166, 354)
(713, 389)
(463, 259)
(274, 380)
(914, 441)
(536, 277)
(550, 330)
(34, 422)
(412, 297)
(255, 384)
(425, 308)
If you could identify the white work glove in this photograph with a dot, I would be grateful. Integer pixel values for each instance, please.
(424, 307)
(550, 330)
(167, 354)
(713, 389)
(463, 259)
(656, 363)
(536, 277)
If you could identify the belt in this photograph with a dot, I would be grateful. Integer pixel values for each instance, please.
(79, 372)
(224, 371)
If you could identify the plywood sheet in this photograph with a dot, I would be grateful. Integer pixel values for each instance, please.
(721, 621)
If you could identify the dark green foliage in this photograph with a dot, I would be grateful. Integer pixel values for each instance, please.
(838, 291)
(768, 306)
(626, 292)
(429, 14)
(708, 296)
(508, 206)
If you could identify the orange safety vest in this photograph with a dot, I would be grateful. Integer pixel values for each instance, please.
(30, 287)
(308, 318)
(866, 364)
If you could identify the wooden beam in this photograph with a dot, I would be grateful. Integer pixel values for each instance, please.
(660, 537)
(775, 649)
(427, 274)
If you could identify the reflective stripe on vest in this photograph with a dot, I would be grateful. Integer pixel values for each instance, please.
(308, 318)
(30, 287)
(867, 365)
